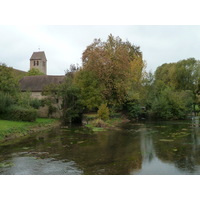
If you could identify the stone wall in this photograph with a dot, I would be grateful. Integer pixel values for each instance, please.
(37, 95)
(40, 65)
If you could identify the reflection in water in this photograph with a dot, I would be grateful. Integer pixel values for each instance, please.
(146, 148)
(33, 165)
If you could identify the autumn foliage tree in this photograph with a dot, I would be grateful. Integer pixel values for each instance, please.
(116, 65)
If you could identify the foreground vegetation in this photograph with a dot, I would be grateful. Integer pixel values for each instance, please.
(20, 128)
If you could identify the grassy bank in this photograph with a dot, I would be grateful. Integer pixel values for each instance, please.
(19, 128)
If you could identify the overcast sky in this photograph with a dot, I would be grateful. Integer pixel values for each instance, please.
(64, 45)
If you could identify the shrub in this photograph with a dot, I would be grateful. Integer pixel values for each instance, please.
(5, 101)
(172, 104)
(19, 113)
(134, 109)
(103, 112)
(35, 103)
(51, 109)
(98, 123)
(23, 99)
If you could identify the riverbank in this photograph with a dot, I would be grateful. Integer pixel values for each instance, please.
(15, 129)
(114, 123)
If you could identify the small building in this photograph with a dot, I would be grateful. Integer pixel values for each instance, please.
(36, 84)
(38, 60)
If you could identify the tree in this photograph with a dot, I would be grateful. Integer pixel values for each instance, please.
(65, 97)
(70, 93)
(52, 93)
(183, 75)
(8, 82)
(113, 63)
(103, 112)
(34, 72)
(90, 89)
(172, 104)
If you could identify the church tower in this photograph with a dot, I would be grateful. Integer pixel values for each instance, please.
(38, 60)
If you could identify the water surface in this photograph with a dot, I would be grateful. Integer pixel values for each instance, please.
(148, 148)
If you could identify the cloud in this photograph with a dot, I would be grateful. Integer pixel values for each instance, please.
(64, 45)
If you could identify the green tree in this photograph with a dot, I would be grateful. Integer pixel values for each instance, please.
(70, 93)
(53, 98)
(8, 82)
(103, 112)
(171, 104)
(65, 97)
(90, 89)
(183, 75)
(34, 72)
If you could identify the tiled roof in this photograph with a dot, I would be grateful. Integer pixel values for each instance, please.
(40, 55)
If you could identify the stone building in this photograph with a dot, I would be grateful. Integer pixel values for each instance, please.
(36, 84)
(38, 60)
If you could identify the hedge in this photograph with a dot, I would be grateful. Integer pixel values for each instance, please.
(18, 113)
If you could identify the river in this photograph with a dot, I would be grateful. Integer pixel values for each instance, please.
(143, 148)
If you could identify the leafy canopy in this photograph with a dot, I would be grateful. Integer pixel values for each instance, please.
(8, 82)
(115, 65)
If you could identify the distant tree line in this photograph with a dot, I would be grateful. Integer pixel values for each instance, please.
(175, 90)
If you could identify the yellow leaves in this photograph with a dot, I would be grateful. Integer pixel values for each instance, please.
(116, 65)
(136, 67)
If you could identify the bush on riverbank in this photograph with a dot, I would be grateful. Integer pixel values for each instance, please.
(103, 112)
(22, 114)
(5, 101)
(20, 108)
(19, 113)
(96, 124)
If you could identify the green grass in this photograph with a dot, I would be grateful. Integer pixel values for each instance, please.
(8, 127)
